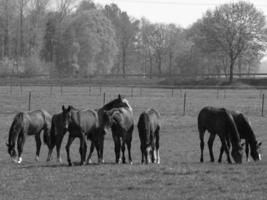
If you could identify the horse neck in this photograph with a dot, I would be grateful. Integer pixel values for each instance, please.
(15, 129)
(248, 133)
(234, 135)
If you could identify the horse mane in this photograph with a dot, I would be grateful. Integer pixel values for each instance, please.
(247, 129)
(116, 103)
(234, 134)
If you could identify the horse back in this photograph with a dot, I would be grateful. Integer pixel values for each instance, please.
(215, 120)
(243, 126)
(85, 120)
(36, 120)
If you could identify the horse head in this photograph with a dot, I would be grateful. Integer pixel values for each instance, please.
(255, 151)
(11, 150)
(66, 115)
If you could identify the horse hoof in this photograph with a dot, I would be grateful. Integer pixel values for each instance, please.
(131, 162)
(19, 160)
(70, 164)
(37, 158)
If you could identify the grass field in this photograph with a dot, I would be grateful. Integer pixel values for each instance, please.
(180, 174)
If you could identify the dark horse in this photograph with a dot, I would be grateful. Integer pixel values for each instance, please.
(122, 125)
(148, 128)
(219, 121)
(57, 133)
(26, 124)
(246, 133)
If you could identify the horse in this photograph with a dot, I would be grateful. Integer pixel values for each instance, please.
(57, 133)
(58, 129)
(83, 124)
(219, 121)
(148, 127)
(122, 126)
(246, 133)
(27, 124)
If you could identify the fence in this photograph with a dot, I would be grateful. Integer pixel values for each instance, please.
(184, 96)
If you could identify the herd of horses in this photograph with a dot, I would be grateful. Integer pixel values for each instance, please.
(87, 124)
(117, 115)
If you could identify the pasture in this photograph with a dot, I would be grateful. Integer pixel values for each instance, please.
(180, 174)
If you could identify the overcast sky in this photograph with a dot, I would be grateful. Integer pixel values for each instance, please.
(179, 12)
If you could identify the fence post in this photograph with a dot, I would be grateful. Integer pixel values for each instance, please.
(29, 102)
(131, 91)
(184, 103)
(104, 98)
(100, 91)
(224, 94)
(61, 89)
(262, 106)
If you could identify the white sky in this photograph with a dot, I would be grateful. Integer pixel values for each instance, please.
(179, 12)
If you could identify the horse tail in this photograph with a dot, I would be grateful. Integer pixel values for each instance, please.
(15, 129)
(144, 127)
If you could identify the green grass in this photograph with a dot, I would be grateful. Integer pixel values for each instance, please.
(180, 174)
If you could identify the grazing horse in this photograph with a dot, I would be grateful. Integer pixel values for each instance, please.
(148, 128)
(246, 132)
(27, 124)
(122, 125)
(84, 124)
(219, 121)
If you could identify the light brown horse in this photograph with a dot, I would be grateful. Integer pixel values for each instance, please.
(26, 124)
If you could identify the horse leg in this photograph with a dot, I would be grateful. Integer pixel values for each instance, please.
(157, 146)
(58, 146)
(142, 148)
(89, 161)
(117, 144)
(128, 143)
(247, 151)
(201, 137)
(221, 153)
(70, 140)
(83, 148)
(38, 146)
(21, 141)
(123, 151)
(225, 147)
(210, 144)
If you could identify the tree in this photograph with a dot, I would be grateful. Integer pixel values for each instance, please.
(89, 41)
(231, 29)
(126, 30)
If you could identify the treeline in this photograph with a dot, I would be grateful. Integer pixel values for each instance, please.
(63, 38)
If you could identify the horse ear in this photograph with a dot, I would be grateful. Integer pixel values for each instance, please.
(7, 144)
(69, 107)
(63, 108)
(119, 96)
(259, 144)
